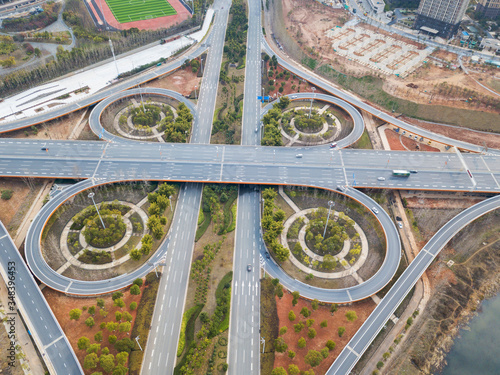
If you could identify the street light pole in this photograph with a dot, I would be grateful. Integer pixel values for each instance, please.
(195, 92)
(114, 57)
(310, 109)
(330, 205)
(91, 196)
(201, 65)
(137, 340)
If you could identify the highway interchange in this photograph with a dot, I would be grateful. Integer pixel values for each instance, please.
(104, 162)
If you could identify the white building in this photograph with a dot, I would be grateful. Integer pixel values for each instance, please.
(490, 44)
(377, 5)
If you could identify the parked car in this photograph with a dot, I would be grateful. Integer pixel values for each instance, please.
(400, 225)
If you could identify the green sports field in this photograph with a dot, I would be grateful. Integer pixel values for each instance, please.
(139, 10)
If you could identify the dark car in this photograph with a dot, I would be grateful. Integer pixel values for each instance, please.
(45, 149)
(249, 267)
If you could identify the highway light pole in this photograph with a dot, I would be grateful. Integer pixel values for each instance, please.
(310, 108)
(91, 196)
(114, 57)
(137, 341)
(330, 205)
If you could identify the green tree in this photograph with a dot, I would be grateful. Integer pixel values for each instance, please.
(315, 304)
(280, 345)
(293, 370)
(138, 282)
(275, 282)
(118, 316)
(90, 361)
(90, 322)
(133, 306)
(309, 322)
(330, 345)
(283, 330)
(125, 327)
(324, 352)
(120, 370)
(127, 316)
(135, 290)
(291, 354)
(135, 254)
(107, 362)
(100, 303)
(311, 333)
(91, 310)
(278, 371)
(298, 327)
(329, 262)
(341, 331)
(380, 364)
(111, 326)
(333, 308)
(103, 313)
(351, 315)
(94, 348)
(98, 336)
(83, 343)
(112, 339)
(313, 358)
(122, 358)
(75, 314)
(291, 316)
(301, 343)
(124, 345)
(323, 324)
(386, 355)
(305, 312)
(117, 295)
(119, 303)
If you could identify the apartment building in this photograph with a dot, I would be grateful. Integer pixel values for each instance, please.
(440, 17)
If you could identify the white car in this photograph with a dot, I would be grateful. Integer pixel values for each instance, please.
(381, 178)
(375, 211)
(400, 225)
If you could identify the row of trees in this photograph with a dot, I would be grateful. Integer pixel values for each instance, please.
(178, 130)
(34, 21)
(272, 223)
(235, 46)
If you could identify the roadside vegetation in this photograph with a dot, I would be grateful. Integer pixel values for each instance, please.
(91, 46)
(272, 224)
(34, 21)
(229, 106)
(102, 330)
(203, 338)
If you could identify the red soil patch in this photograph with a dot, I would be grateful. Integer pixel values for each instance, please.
(152, 24)
(74, 329)
(398, 142)
(300, 85)
(363, 309)
(183, 81)
(441, 203)
(465, 135)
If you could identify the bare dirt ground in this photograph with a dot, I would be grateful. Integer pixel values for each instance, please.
(74, 329)
(307, 21)
(402, 143)
(431, 203)
(491, 140)
(56, 129)
(182, 81)
(363, 310)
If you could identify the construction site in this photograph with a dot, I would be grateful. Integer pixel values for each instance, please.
(387, 55)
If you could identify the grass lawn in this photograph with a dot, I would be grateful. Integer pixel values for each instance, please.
(138, 10)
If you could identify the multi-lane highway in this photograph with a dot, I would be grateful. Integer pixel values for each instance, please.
(244, 337)
(377, 319)
(161, 350)
(103, 162)
(28, 298)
